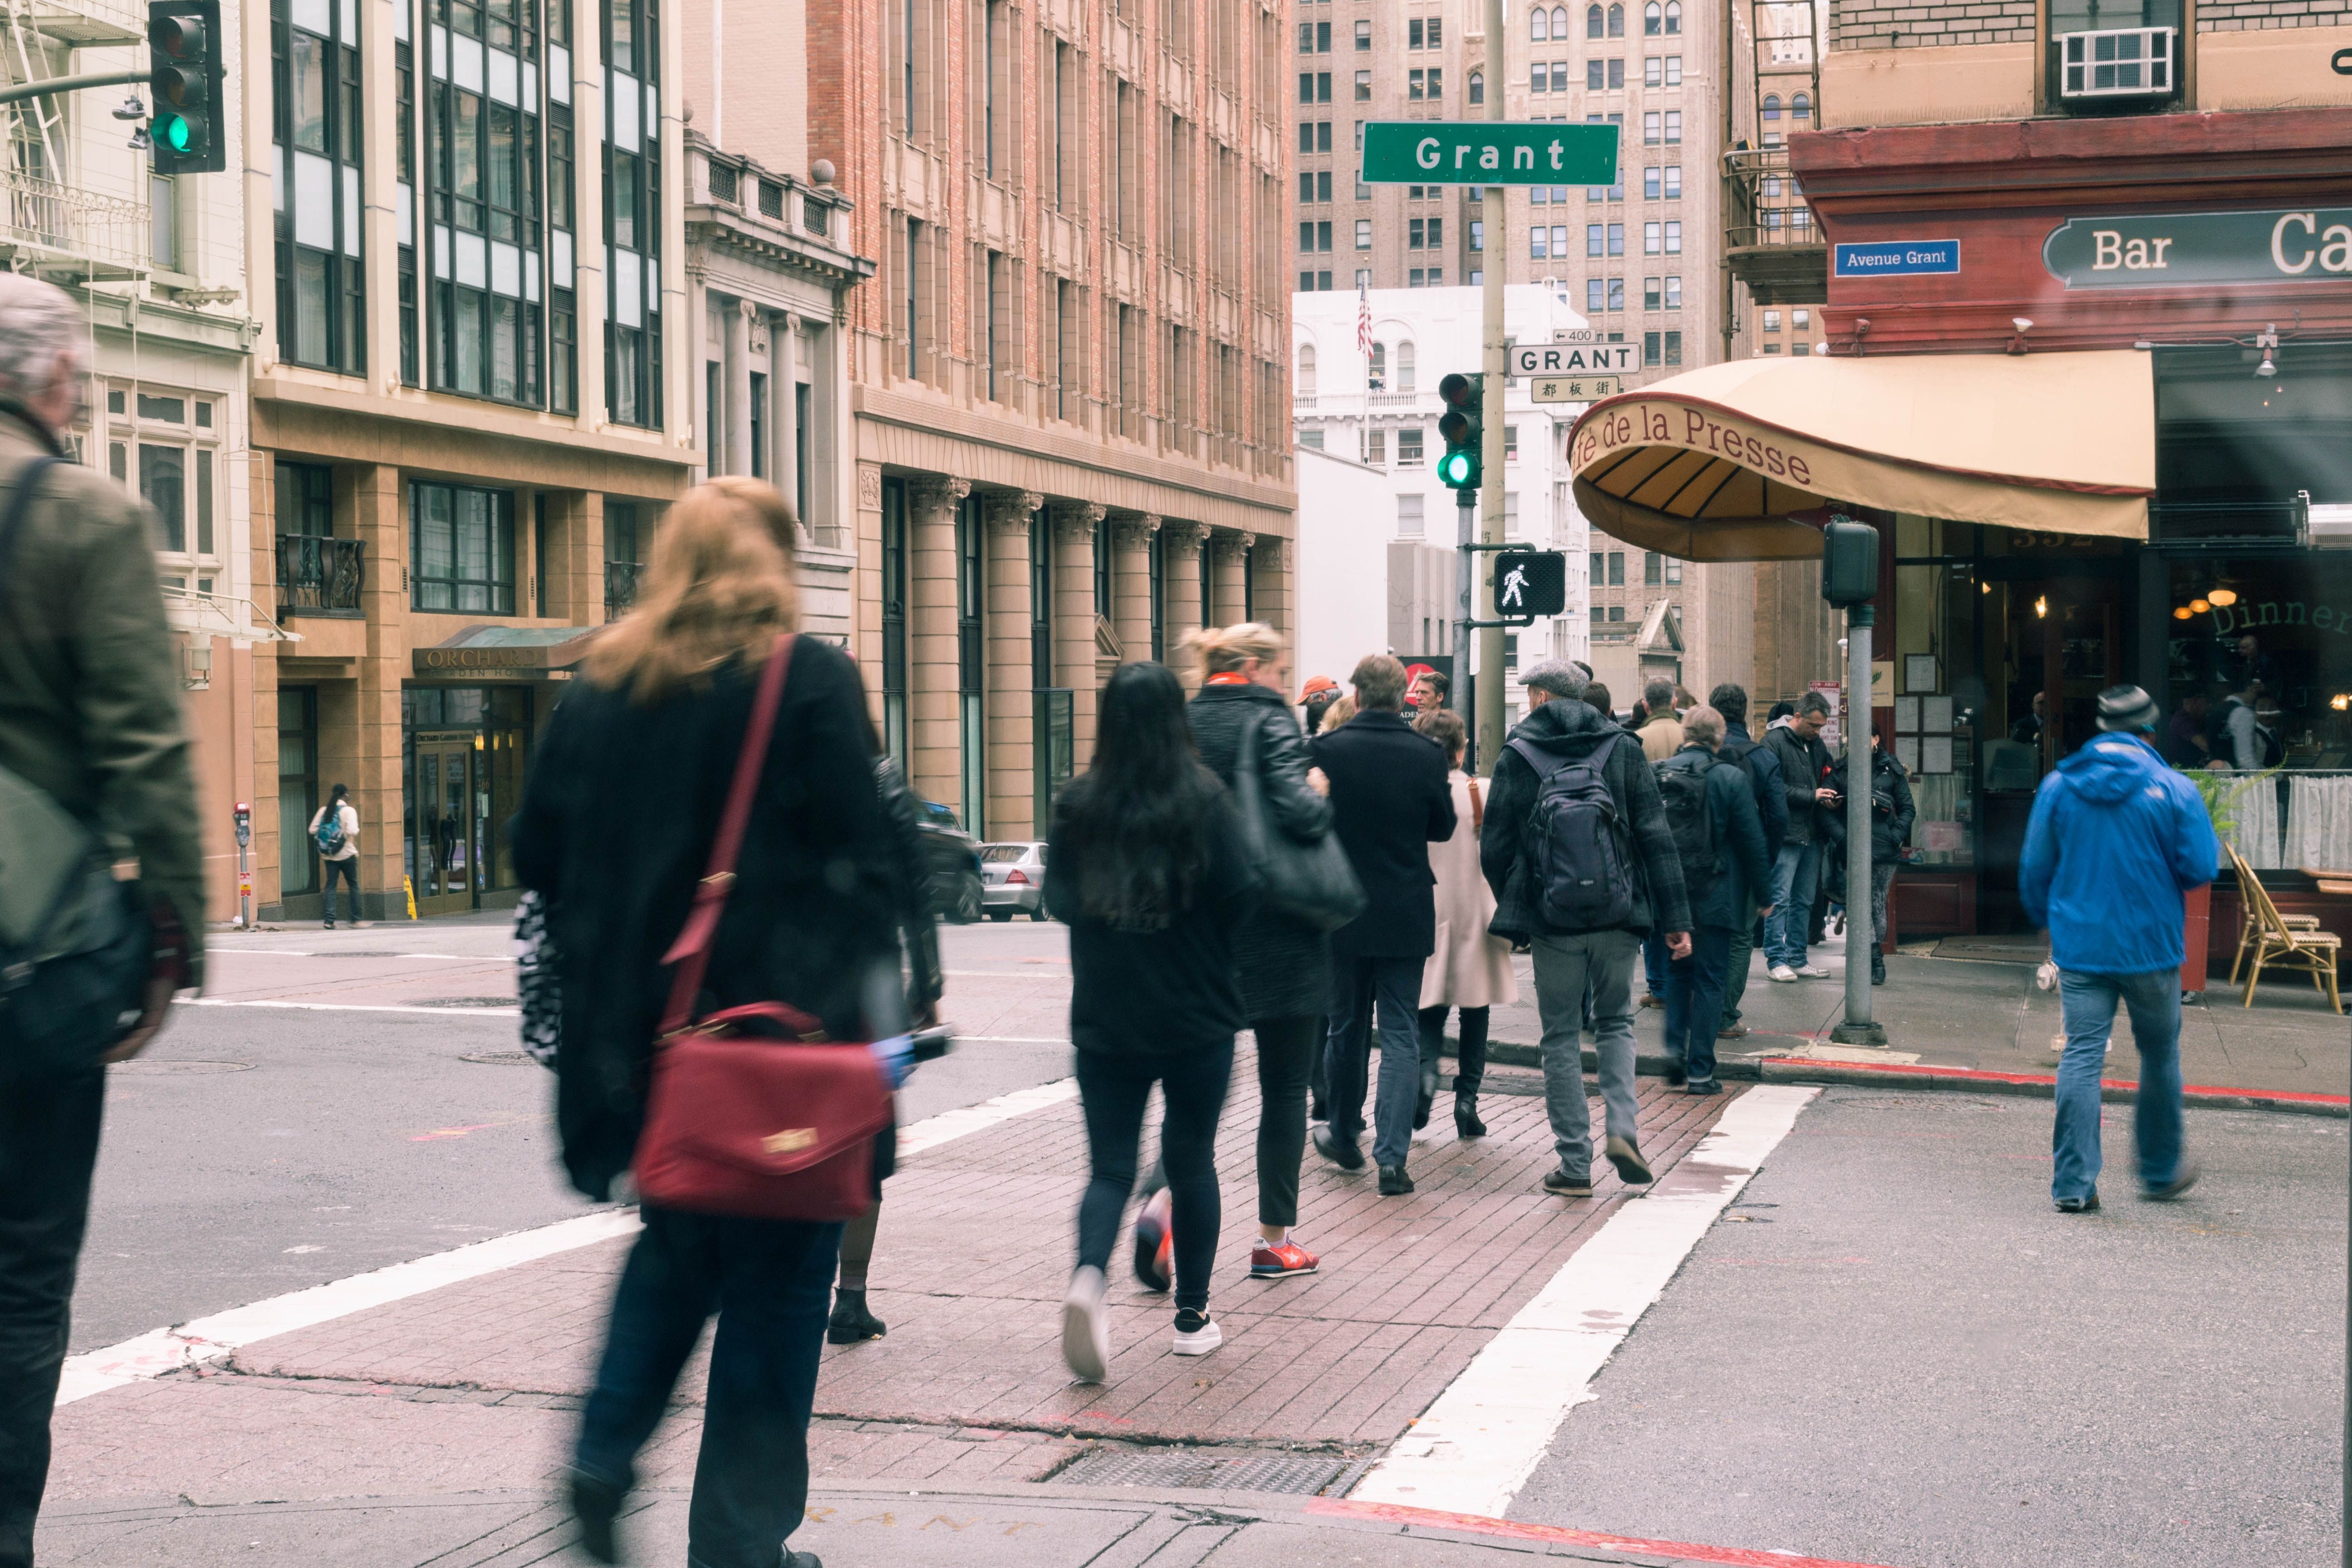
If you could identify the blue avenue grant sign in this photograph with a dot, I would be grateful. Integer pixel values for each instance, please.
(1895, 257)
(1489, 153)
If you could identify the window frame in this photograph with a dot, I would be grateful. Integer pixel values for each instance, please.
(343, 130)
(499, 588)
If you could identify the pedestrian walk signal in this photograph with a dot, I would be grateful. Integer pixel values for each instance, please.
(184, 68)
(1530, 583)
(1461, 428)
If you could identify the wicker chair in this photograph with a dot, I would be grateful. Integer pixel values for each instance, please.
(2295, 942)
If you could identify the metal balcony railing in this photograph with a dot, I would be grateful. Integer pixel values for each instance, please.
(1771, 242)
(53, 229)
(321, 576)
(620, 587)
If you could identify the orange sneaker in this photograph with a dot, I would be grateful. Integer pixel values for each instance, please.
(1155, 1242)
(1280, 1260)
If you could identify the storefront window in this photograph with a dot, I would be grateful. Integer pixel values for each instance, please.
(463, 548)
(463, 752)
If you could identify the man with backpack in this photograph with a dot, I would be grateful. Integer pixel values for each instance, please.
(1763, 769)
(1719, 839)
(1796, 741)
(92, 757)
(335, 829)
(1582, 863)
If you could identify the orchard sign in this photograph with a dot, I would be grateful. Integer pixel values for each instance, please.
(2181, 250)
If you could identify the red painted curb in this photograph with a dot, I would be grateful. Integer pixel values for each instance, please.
(1976, 1074)
(1511, 1530)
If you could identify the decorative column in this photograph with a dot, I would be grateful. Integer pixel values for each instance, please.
(1012, 678)
(371, 730)
(737, 376)
(1232, 560)
(1130, 585)
(1180, 576)
(784, 451)
(934, 730)
(1074, 620)
(1270, 587)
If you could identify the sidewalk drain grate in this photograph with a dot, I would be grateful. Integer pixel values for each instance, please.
(1303, 1475)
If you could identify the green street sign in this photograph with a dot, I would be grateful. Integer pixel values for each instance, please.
(1489, 153)
(2189, 250)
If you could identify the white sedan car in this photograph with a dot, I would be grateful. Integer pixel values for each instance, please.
(1012, 880)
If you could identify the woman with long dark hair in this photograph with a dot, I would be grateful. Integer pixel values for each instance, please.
(618, 817)
(1150, 875)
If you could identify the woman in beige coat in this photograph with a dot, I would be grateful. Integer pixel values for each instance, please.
(1470, 970)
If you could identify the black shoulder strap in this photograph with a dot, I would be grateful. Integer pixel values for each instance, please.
(28, 481)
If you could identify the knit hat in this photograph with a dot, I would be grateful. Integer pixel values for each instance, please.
(2127, 707)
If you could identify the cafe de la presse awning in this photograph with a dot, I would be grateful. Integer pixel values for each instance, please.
(1718, 464)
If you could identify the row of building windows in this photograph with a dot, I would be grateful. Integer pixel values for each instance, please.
(1663, 238)
(1421, 234)
(1315, 38)
(1660, 18)
(1606, 569)
(1600, 76)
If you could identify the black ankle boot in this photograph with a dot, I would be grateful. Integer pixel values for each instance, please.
(1466, 1117)
(851, 1321)
(1877, 965)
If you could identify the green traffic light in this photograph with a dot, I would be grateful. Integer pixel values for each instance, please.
(1456, 469)
(173, 132)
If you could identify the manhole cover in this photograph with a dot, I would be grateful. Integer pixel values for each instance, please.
(1302, 1475)
(463, 1002)
(501, 1058)
(143, 1067)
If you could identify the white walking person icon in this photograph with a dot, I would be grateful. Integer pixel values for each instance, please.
(1515, 584)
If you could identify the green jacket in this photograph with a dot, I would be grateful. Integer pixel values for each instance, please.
(90, 677)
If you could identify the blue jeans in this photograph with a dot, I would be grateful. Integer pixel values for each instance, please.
(1694, 1001)
(1363, 989)
(771, 1283)
(2153, 1000)
(1793, 904)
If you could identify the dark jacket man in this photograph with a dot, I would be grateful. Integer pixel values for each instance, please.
(1804, 764)
(1891, 808)
(1763, 768)
(1743, 880)
(1389, 802)
(1571, 730)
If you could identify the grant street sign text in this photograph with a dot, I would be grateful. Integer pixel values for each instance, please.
(1571, 359)
(1489, 153)
(1572, 389)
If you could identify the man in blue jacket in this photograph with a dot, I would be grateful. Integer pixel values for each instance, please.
(2117, 838)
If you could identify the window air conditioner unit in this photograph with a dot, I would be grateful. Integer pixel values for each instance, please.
(2127, 62)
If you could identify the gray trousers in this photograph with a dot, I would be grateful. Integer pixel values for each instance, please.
(1564, 966)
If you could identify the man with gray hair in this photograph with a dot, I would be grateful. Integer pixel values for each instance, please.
(1582, 863)
(89, 717)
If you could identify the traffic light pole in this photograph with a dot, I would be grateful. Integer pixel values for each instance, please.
(1466, 681)
(71, 84)
(1487, 733)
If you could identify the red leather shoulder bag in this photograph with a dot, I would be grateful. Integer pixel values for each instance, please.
(752, 1113)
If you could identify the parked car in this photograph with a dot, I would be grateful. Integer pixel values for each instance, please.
(1012, 879)
(956, 882)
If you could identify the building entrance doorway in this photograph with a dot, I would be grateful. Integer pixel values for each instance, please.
(449, 821)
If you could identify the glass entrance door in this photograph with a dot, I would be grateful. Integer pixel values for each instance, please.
(442, 843)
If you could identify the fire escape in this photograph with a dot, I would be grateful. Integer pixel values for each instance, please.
(1770, 241)
(51, 225)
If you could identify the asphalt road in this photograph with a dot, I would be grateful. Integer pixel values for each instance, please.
(258, 1150)
(1893, 1351)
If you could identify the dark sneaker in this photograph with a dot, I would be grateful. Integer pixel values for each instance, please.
(793, 1559)
(2173, 1188)
(1677, 1075)
(1281, 1261)
(1394, 1183)
(1631, 1168)
(851, 1321)
(1704, 1085)
(1422, 1107)
(2080, 1206)
(1560, 1184)
(1346, 1157)
(595, 1504)
(1467, 1124)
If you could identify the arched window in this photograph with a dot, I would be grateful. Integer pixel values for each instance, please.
(1304, 383)
(1653, 19)
(1616, 21)
(1771, 106)
(1379, 367)
(1404, 366)
(1801, 107)
(1559, 23)
(1538, 24)
(1592, 21)
(1674, 19)
(1477, 86)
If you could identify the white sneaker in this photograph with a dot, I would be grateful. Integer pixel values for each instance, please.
(1200, 1340)
(1782, 972)
(1085, 1326)
(1812, 972)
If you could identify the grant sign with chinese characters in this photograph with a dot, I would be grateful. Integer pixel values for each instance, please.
(2180, 250)
(1489, 153)
(1571, 388)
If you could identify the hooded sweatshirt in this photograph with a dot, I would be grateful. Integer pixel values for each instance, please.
(2116, 837)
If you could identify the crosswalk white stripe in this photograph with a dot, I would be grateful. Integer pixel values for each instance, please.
(1477, 1446)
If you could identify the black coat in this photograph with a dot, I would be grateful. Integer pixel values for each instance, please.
(1282, 962)
(1891, 809)
(1804, 765)
(1391, 801)
(618, 815)
(1743, 879)
(1566, 729)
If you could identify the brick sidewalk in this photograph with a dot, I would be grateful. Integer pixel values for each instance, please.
(475, 1386)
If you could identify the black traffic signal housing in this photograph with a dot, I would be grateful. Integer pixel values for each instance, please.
(1529, 583)
(1462, 428)
(187, 74)
(1849, 562)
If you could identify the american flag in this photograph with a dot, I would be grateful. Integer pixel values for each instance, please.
(1363, 322)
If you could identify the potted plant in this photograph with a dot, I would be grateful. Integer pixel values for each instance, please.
(2220, 792)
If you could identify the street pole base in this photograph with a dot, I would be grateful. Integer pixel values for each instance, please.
(1858, 1035)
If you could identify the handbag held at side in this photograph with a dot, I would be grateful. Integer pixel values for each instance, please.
(1312, 883)
(752, 1113)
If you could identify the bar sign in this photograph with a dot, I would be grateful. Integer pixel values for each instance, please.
(1895, 257)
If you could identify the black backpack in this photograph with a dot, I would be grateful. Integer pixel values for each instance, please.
(1576, 841)
(1682, 786)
